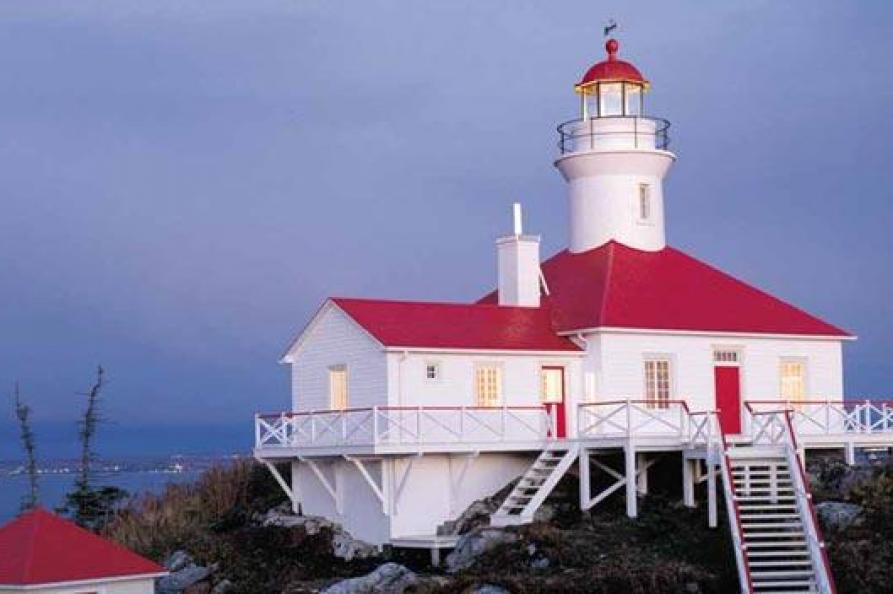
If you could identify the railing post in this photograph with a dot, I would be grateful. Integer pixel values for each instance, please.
(375, 425)
(418, 425)
(312, 428)
(502, 420)
(629, 421)
(867, 416)
(462, 423)
(828, 416)
(343, 427)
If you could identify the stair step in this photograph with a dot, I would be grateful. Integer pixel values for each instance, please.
(750, 537)
(769, 516)
(798, 573)
(786, 563)
(786, 554)
(782, 584)
(777, 544)
(751, 525)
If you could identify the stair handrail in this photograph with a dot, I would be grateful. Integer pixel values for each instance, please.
(733, 511)
(817, 549)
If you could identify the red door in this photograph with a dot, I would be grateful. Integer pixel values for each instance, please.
(552, 394)
(728, 398)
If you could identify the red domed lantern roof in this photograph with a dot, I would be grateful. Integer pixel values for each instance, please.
(611, 70)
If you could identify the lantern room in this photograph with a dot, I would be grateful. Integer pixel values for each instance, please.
(612, 88)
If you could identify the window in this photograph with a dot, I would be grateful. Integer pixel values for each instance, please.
(610, 99)
(338, 387)
(657, 383)
(488, 385)
(644, 202)
(432, 371)
(552, 384)
(793, 380)
(727, 356)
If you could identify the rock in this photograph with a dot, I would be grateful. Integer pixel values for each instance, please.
(184, 579)
(177, 561)
(490, 589)
(472, 545)
(348, 548)
(838, 515)
(222, 587)
(390, 578)
(285, 519)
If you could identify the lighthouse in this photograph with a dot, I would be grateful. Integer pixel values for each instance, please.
(614, 158)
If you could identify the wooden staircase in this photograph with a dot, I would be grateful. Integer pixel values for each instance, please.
(778, 545)
(535, 485)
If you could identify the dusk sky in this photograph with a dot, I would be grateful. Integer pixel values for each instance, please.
(183, 183)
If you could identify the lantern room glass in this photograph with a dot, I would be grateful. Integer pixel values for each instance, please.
(613, 99)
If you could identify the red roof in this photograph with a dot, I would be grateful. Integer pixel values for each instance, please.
(612, 69)
(456, 325)
(617, 286)
(41, 548)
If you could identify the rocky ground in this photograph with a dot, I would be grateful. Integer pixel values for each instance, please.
(256, 545)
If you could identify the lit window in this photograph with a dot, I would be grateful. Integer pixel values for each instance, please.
(633, 99)
(338, 387)
(432, 371)
(610, 99)
(552, 384)
(657, 383)
(793, 380)
(488, 385)
(644, 202)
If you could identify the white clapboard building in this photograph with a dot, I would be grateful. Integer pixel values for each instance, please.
(403, 413)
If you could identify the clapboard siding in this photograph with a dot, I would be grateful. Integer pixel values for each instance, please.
(335, 339)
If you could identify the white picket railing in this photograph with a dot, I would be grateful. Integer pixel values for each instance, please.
(827, 417)
(644, 418)
(385, 425)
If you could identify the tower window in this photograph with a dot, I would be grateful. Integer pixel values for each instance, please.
(644, 202)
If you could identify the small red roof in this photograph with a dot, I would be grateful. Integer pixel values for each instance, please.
(41, 548)
(422, 324)
(612, 69)
(617, 286)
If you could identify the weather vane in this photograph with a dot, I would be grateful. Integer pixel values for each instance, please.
(612, 24)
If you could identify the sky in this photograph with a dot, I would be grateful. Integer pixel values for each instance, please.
(182, 183)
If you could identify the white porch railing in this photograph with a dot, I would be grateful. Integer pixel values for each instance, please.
(826, 417)
(646, 419)
(386, 425)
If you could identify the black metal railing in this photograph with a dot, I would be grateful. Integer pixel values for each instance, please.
(596, 133)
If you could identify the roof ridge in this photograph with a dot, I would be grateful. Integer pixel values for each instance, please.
(421, 302)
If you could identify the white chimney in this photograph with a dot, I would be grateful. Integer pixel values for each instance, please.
(518, 260)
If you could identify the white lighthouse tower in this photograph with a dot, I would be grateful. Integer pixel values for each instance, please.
(614, 159)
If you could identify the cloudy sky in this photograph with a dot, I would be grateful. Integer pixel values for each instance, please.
(182, 183)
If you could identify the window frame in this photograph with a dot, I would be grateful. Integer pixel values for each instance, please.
(803, 362)
(541, 375)
(438, 372)
(499, 383)
(336, 369)
(658, 403)
(644, 192)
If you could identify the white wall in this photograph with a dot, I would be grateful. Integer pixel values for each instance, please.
(335, 339)
(520, 376)
(617, 360)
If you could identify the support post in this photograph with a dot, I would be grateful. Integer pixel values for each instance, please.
(688, 482)
(642, 476)
(850, 454)
(435, 557)
(297, 498)
(585, 483)
(630, 472)
(712, 519)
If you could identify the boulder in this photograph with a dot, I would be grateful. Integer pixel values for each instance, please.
(473, 544)
(286, 519)
(349, 548)
(183, 579)
(222, 587)
(390, 578)
(177, 561)
(838, 515)
(490, 589)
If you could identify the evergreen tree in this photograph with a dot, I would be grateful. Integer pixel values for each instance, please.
(23, 414)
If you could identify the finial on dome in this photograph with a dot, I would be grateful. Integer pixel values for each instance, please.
(611, 46)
